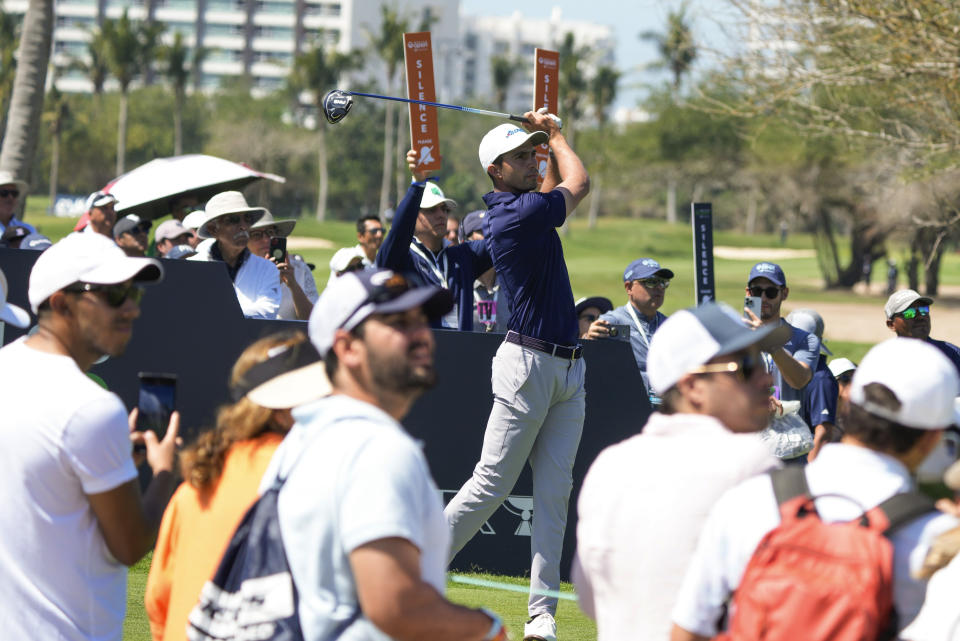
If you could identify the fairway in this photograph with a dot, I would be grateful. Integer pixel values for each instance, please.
(510, 605)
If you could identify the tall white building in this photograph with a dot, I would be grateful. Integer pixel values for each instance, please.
(260, 38)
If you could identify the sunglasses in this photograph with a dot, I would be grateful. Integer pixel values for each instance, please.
(234, 219)
(259, 234)
(769, 292)
(912, 312)
(589, 317)
(15, 193)
(376, 231)
(652, 283)
(745, 367)
(112, 295)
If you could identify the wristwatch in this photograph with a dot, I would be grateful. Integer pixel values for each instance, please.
(497, 631)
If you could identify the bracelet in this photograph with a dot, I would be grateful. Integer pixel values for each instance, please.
(497, 632)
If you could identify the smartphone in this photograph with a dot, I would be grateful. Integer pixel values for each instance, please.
(619, 332)
(278, 249)
(753, 304)
(157, 401)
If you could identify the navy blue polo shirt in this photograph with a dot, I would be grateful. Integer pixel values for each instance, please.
(819, 402)
(461, 264)
(521, 234)
(949, 350)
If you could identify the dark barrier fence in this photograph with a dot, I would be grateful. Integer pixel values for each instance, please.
(191, 325)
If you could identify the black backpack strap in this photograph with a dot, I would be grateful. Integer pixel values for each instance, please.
(903, 508)
(788, 483)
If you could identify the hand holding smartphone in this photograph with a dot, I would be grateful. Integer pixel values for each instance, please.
(278, 249)
(156, 402)
(753, 304)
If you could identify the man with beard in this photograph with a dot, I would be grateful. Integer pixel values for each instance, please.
(227, 220)
(72, 515)
(908, 315)
(539, 400)
(360, 516)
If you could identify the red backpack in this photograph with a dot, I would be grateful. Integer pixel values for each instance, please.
(812, 580)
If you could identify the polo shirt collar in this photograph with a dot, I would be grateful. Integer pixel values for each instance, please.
(499, 198)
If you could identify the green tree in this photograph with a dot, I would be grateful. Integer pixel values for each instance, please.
(179, 62)
(503, 68)
(675, 45)
(129, 47)
(314, 70)
(56, 117)
(387, 43)
(26, 101)
(602, 93)
(93, 64)
(8, 60)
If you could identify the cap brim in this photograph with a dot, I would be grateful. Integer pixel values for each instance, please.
(600, 302)
(14, 315)
(664, 273)
(435, 302)
(142, 270)
(293, 388)
(284, 226)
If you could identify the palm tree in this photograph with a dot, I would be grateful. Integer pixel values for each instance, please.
(315, 70)
(26, 101)
(179, 63)
(574, 84)
(603, 91)
(94, 64)
(8, 59)
(388, 45)
(503, 69)
(675, 45)
(129, 48)
(56, 117)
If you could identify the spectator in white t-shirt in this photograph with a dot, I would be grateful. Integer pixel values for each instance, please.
(72, 516)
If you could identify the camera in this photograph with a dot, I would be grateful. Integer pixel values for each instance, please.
(614, 332)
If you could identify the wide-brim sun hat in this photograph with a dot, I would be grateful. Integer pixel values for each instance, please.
(224, 204)
(284, 225)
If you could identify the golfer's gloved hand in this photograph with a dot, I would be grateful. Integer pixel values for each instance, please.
(556, 119)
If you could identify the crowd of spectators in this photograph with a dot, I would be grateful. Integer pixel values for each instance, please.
(670, 520)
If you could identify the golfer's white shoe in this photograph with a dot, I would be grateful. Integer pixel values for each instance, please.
(542, 627)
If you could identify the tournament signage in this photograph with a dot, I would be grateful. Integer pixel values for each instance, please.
(701, 218)
(545, 94)
(424, 130)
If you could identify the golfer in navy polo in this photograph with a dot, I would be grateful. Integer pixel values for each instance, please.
(538, 393)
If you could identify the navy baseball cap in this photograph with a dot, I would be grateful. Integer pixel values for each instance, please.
(600, 302)
(472, 222)
(645, 268)
(770, 271)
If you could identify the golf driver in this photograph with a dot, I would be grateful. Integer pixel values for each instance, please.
(337, 104)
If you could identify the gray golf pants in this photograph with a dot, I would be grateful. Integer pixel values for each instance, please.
(538, 408)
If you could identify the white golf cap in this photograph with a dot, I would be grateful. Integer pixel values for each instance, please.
(290, 376)
(10, 313)
(344, 258)
(840, 366)
(100, 199)
(170, 229)
(433, 196)
(504, 138)
(86, 258)
(354, 296)
(194, 219)
(901, 300)
(924, 381)
(691, 337)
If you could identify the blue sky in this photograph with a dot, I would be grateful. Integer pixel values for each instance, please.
(628, 19)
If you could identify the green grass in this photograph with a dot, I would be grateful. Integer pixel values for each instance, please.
(511, 606)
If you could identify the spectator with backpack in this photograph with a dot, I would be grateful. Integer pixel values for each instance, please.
(843, 576)
(222, 470)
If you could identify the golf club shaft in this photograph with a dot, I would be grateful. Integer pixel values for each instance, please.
(473, 110)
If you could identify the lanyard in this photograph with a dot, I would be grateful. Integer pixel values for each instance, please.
(441, 275)
(640, 327)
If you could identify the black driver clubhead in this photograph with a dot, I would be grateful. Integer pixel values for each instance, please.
(336, 106)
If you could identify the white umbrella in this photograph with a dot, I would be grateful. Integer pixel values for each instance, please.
(147, 190)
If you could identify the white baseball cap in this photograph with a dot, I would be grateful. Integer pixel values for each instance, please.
(433, 196)
(7, 178)
(924, 381)
(691, 337)
(354, 296)
(840, 366)
(86, 258)
(504, 138)
(345, 257)
(10, 313)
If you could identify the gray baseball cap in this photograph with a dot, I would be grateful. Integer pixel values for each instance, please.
(901, 300)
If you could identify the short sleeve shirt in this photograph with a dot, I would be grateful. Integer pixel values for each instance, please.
(521, 235)
(949, 350)
(62, 438)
